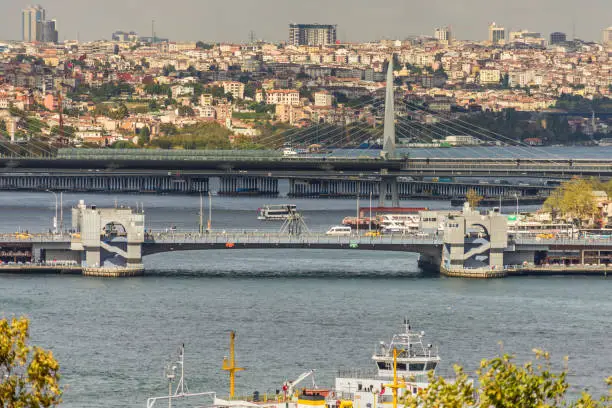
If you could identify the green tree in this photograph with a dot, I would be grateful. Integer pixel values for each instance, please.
(120, 112)
(185, 111)
(168, 129)
(249, 90)
(144, 137)
(123, 144)
(29, 375)
(573, 200)
(69, 131)
(503, 384)
(242, 142)
(168, 69)
(204, 46)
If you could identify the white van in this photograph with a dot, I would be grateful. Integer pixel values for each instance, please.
(339, 230)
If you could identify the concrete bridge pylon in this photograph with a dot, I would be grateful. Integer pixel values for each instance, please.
(388, 151)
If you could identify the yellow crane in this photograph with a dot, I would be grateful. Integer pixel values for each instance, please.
(395, 385)
(230, 364)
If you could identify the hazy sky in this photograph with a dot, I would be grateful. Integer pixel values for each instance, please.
(357, 20)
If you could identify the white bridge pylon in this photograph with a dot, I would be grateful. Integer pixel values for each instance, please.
(388, 151)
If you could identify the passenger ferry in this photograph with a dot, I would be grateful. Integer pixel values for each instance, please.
(399, 223)
(275, 212)
(525, 229)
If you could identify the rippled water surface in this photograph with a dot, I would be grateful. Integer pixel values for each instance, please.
(292, 309)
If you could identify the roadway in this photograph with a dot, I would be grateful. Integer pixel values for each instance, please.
(315, 167)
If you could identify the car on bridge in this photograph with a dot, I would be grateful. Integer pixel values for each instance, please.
(339, 231)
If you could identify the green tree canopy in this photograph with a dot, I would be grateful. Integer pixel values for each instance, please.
(504, 384)
(573, 200)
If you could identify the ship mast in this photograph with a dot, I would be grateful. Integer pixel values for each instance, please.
(230, 365)
(395, 385)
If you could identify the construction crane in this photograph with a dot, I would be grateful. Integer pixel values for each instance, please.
(289, 386)
(230, 364)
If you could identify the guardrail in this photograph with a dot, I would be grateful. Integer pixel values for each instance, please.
(255, 237)
(563, 241)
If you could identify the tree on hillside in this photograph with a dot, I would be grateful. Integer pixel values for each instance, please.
(503, 384)
(29, 375)
(144, 136)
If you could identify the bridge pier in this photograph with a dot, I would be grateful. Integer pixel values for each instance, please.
(101, 236)
(105, 182)
(474, 242)
(247, 185)
(389, 187)
(333, 188)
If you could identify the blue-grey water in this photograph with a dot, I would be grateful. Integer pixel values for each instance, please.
(292, 309)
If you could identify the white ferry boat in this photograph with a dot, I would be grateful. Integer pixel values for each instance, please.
(275, 212)
(399, 223)
(412, 360)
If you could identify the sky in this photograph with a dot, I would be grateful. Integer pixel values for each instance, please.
(357, 20)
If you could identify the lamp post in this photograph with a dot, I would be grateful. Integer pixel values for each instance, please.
(201, 226)
(370, 223)
(209, 226)
(54, 218)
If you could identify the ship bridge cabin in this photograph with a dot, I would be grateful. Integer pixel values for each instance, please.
(413, 357)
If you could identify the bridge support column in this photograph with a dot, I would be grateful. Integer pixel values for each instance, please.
(394, 194)
(382, 192)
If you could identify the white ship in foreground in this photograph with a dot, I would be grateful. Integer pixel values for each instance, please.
(401, 368)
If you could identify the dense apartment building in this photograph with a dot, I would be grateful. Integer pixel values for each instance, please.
(233, 87)
(312, 34)
(443, 35)
(279, 97)
(557, 38)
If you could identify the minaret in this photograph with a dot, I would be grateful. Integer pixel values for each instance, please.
(388, 151)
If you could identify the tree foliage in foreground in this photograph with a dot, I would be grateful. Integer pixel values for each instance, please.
(574, 200)
(504, 384)
(29, 375)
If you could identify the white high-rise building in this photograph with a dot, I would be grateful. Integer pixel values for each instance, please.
(444, 35)
(497, 35)
(30, 17)
(607, 37)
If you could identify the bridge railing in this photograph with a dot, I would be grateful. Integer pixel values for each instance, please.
(34, 237)
(582, 242)
(268, 237)
(546, 166)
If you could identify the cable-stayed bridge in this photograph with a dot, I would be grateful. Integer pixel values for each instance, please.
(340, 170)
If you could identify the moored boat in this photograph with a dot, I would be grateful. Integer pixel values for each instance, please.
(275, 212)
